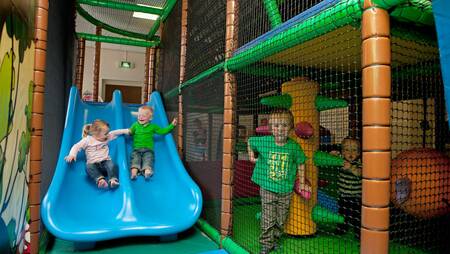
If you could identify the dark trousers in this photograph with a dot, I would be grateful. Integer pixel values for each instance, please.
(350, 208)
(101, 169)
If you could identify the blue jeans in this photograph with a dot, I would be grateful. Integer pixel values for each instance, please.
(101, 169)
(142, 159)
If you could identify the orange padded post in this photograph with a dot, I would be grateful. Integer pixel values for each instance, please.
(37, 115)
(229, 120)
(376, 84)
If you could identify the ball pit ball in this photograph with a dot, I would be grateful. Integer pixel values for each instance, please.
(304, 130)
(420, 183)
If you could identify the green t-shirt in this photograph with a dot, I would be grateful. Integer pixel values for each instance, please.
(143, 134)
(276, 167)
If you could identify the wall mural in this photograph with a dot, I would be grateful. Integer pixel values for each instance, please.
(16, 87)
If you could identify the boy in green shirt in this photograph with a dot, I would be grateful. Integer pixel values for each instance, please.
(142, 157)
(280, 159)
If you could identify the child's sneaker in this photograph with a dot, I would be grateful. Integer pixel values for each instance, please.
(114, 183)
(148, 173)
(102, 184)
(133, 174)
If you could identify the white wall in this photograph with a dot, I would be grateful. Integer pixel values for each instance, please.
(109, 70)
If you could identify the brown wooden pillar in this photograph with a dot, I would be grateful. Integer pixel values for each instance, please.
(146, 75)
(149, 81)
(80, 64)
(376, 83)
(98, 48)
(37, 118)
(183, 47)
(229, 120)
(152, 70)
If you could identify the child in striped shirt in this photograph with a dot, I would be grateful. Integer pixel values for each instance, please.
(349, 186)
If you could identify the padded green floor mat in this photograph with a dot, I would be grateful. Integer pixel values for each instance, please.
(246, 231)
(190, 242)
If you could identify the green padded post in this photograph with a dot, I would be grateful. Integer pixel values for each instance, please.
(278, 101)
(323, 215)
(116, 40)
(323, 159)
(324, 103)
(273, 12)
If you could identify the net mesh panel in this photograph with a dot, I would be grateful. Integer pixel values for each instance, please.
(168, 62)
(254, 21)
(203, 102)
(203, 128)
(121, 19)
(206, 35)
(420, 172)
(327, 66)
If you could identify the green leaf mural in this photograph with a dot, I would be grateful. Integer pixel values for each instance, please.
(6, 83)
(25, 139)
(2, 164)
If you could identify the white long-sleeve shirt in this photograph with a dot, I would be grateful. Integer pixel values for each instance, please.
(96, 151)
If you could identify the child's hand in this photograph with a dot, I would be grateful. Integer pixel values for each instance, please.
(347, 165)
(305, 186)
(253, 159)
(174, 122)
(335, 153)
(70, 158)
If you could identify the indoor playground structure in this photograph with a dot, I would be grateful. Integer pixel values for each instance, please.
(376, 72)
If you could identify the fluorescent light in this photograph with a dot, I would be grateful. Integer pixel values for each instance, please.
(142, 15)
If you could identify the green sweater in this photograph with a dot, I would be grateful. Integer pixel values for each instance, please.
(276, 166)
(143, 134)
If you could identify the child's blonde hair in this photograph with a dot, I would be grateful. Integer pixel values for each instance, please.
(95, 127)
(282, 113)
(145, 107)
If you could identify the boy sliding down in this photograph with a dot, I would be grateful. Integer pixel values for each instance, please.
(142, 157)
(279, 160)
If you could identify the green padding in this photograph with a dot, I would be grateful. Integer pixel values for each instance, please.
(387, 4)
(107, 27)
(167, 9)
(122, 6)
(322, 215)
(227, 243)
(418, 11)
(174, 92)
(278, 101)
(325, 103)
(272, 11)
(323, 159)
(116, 40)
(330, 19)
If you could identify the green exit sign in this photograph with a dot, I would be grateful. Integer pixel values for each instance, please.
(126, 65)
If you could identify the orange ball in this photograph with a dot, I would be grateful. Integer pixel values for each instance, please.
(420, 183)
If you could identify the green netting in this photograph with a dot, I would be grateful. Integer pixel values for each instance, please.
(419, 138)
(206, 36)
(318, 63)
(203, 141)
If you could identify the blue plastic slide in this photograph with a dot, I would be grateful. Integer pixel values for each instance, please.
(74, 209)
(441, 11)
